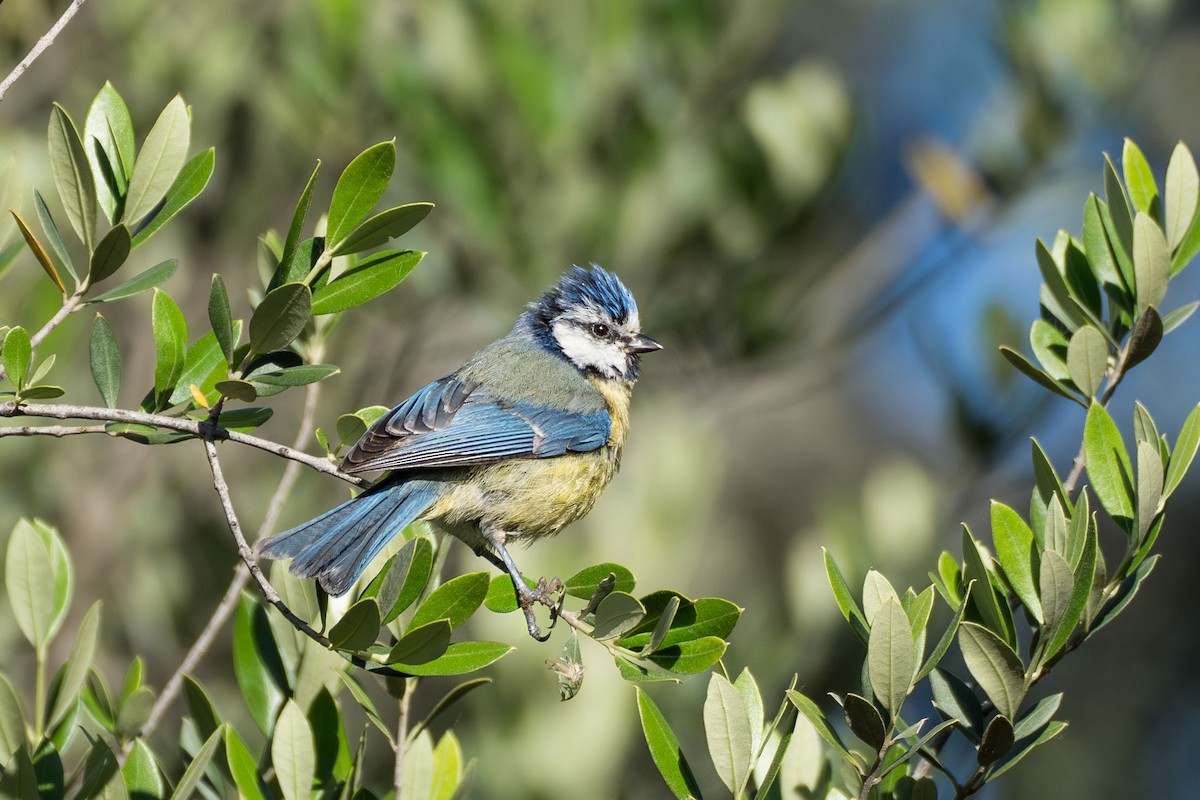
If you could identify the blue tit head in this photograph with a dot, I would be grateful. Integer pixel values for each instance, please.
(591, 319)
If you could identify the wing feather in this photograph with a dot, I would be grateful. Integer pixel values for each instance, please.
(454, 423)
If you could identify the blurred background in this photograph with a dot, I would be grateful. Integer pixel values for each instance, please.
(827, 212)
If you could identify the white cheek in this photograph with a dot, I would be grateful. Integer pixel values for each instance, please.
(585, 352)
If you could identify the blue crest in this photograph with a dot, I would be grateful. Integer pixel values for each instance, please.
(581, 286)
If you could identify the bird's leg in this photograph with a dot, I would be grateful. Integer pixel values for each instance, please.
(526, 597)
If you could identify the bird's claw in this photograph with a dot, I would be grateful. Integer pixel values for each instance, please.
(548, 593)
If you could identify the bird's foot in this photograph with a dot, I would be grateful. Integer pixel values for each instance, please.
(548, 593)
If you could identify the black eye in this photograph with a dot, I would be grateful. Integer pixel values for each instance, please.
(600, 330)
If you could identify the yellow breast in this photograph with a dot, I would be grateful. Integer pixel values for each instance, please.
(616, 396)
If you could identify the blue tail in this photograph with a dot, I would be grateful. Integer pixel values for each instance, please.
(337, 546)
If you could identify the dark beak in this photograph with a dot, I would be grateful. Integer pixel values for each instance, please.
(643, 344)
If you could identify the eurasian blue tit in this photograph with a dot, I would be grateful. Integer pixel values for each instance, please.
(515, 444)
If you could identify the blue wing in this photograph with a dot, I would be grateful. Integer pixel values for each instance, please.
(454, 422)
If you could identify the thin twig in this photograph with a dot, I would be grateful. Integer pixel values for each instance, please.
(57, 431)
(241, 575)
(39, 48)
(247, 553)
(63, 411)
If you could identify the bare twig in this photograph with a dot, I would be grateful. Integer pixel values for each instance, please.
(39, 48)
(241, 575)
(57, 431)
(401, 749)
(247, 553)
(63, 411)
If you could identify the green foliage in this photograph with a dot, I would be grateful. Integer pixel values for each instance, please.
(1047, 588)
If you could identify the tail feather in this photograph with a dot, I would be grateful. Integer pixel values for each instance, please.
(337, 546)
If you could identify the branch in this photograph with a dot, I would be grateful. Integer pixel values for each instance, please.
(71, 304)
(42, 45)
(57, 431)
(63, 411)
(247, 553)
(241, 575)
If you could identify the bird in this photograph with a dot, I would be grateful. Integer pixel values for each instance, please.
(514, 445)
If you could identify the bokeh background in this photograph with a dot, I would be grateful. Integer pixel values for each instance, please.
(827, 212)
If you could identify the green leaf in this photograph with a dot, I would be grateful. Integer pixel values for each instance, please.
(111, 252)
(72, 175)
(358, 189)
(200, 707)
(143, 779)
(455, 600)
(220, 317)
(864, 721)
(752, 697)
(877, 590)
(1108, 468)
(297, 376)
(1144, 339)
(1085, 573)
(1119, 212)
(365, 703)
(422, 643)
(39, 252)
(108, 136)
(448, 775)
(256, 664)
(691, 656)
(1057, 297)
(142, 282)
(160, 160)
(843, 596)
(1056, 584)
(1096, 246)
(170, 345)
(1038, 376)
(296, 230)
(449, 699)
(1181, 195)
(813, 714)
(406, 576)
(16, 354)
(955, 700)
(947, 637)
(134, 712)
(243, 767)
(237, 390)
(292, 753)
(617, 614)
(280, 317)
(1050, 347)
(29, 580)
(78, 663)
(1151, 262)
(53, 235)
(661, 628)
(358, 628)
(369, 279)
(1179, 316)
(101, 775)
(1051, 731)
(892, 656)
(1037, 717)
(665, 750)
(200, 366)
(12, 720)
(186, 187)
(1015, 552)
(459, 659)
(994, 665)
(707, 616)
(190, 781)
(997, 741)
(382, 227)
(501, 596)
(1143, 191)
(416, 775)
(1087, 359)
(1124, 594)
(42, 392)
(1185, 452)
(1149, 485)
(727, 729)
(583, 583)
(984, 595)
